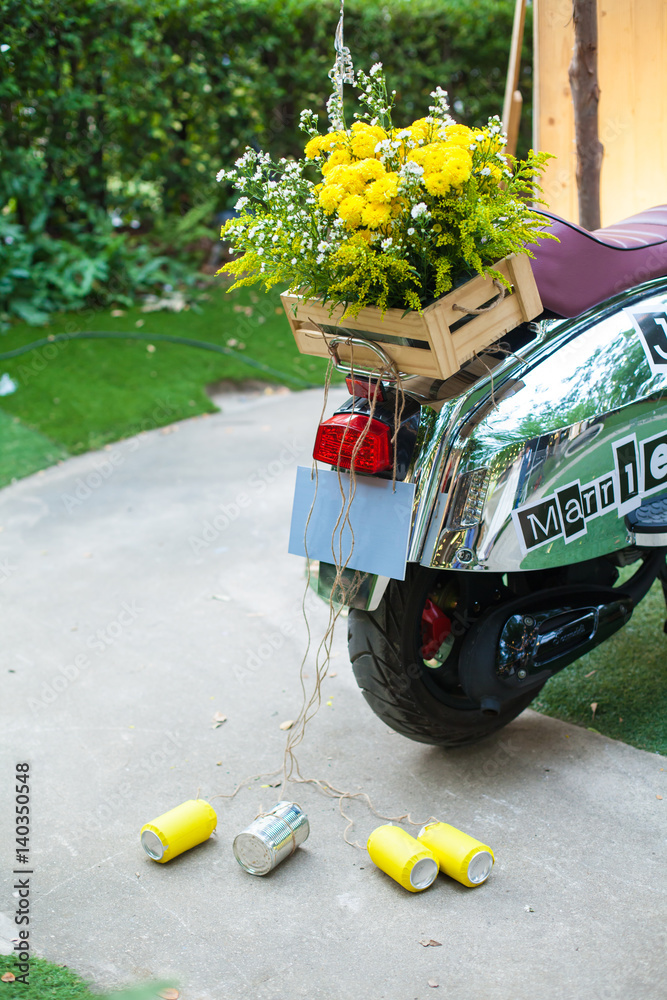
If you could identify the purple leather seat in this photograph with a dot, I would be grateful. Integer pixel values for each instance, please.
(587, 268)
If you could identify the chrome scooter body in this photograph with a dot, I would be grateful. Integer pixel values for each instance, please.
(538, 464)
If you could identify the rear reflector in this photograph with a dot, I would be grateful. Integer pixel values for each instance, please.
(362, 388)
(337, 437)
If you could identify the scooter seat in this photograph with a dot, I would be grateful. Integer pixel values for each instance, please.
(586, 268)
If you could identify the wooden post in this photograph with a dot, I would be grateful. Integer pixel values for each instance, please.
(513, 99)
(583, 75)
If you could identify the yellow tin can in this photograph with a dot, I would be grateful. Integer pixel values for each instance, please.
(408, 862)
(178, 830)
(459, 855)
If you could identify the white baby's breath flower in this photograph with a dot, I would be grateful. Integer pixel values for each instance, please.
(410, 167)
(241, 203)
(419, 211)
(220, 175)
(411, 231)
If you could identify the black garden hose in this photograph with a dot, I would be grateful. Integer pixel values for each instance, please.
(159, 337)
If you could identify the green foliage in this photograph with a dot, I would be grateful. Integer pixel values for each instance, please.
(124, 112)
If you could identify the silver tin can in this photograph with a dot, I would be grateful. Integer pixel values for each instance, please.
(271, 838)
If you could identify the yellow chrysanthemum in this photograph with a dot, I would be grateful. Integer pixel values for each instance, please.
(437, 183)
(450, 167)
(421, 130)
(351, 208)
(458, 164)
(384, 189)
(349, 177)
(459, 135)
(363, 128)
(332, 139)
(313, 147)
(375, 215)
(364, 139)
(370, 169)
(330, 196)
(363, 145)
(338, 157)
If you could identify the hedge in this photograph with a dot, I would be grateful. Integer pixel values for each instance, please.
(115, 115)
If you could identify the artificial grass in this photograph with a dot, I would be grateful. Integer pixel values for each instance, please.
(24, 451)
(82, 394)
(47, 981)
(626, 677)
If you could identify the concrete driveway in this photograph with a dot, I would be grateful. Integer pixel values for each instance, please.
(145, 588)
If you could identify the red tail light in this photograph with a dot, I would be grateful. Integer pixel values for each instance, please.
(337, 437)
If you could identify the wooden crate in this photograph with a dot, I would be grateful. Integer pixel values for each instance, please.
(434, 343)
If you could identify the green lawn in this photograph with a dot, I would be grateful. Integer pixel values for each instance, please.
(23, 451)
(47, 981)
(627, 678)
(81, 394)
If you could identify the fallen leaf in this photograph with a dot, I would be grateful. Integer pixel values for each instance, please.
(434, 983)
(333, 674)
(174, 302)
(659, 797)
(287, 725)
(218, 763)
(594, 706)
(620, 719)
(589, 674)
(430, 943)
(169, 994)
(220, 597)
(8, 977)
(140, 322)
(218, 720)
(150, 348)
(529, 909)
(117, 312)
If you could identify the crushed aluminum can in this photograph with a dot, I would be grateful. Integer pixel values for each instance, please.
(271, 838)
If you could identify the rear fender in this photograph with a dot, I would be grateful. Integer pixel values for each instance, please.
(538, 466)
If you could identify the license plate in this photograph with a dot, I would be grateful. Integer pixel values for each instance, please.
(379, 515)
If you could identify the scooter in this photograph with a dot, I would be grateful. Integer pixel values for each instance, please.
(512, 516)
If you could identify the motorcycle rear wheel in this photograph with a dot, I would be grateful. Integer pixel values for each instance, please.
(425, 704)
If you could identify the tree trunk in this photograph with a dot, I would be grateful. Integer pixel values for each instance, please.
(583, 75)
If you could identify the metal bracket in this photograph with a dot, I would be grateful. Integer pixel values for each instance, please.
(388, 367)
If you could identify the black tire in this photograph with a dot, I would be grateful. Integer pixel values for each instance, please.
(424, 704)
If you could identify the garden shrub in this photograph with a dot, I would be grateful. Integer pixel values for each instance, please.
(115, 118)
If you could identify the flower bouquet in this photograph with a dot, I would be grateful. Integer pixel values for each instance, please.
(377, 223)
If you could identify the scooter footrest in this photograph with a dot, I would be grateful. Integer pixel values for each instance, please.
(649, 522)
